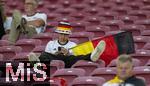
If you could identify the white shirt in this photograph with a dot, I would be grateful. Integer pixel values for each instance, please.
(42, 16)
(7, 23)
(52, 46)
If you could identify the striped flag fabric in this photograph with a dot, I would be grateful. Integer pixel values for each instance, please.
(116, 44)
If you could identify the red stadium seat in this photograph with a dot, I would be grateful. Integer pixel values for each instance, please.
(135, 29)
(79, 16)
(69, 74)
(121, 10)
(78, 26)
(65, 12)
(148, 63)
(9, 51)
(93, 10)
(44, 37)
(98, 31)
(88, 81)
(82, 36)
(93, 2)
(79, 7)
(147, 46)
(86, 65)
(107, 6)
(108, 15)
(107, 73)
(128, 20)
(142, 55)
(4, 43)
(113, 24)
(141, 14)
(28, 45)
(140, 41)
(56, 65)
(135, 5)
(143, 72)
(136, 63)
(145, 33)
(57, 82)
(146, 23)
(38, 49)
(94, 21)
(21, 57)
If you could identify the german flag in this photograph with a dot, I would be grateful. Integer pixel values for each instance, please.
(116, 44)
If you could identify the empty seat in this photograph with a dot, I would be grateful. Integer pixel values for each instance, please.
(57, 82)
(147, 46)
(44, 37)
(65, 12)
(69, 74)
(93, 2)
(145, 22)
(4, 43)
(88, 66)
(79, 16)
(88, 81)
(141, 14)
(52, 16)
(148, 63)
(146, 2)
(38, 49)
(121, 10)
(93, 10)
(140, 41)
(135, 29)
(78, 26)
(79, 7)
(118, 2)
(106, 6)
(128, 20)
(55, 65)
(82, 36)
(135, 5)
(136, 63)
(142, 55)
(28, 45)
(143, 72)
(113, 24)
(107, 73)
(108, 15)
(9, 51)
(145, 33)
(145, 8)
(94, 21)
(21, 57)
(98, 31)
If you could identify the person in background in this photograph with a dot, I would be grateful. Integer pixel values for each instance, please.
(5, 21)
(125, 76)
(29, 24)
(60, 49)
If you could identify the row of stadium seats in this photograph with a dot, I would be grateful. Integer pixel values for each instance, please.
(107, 73)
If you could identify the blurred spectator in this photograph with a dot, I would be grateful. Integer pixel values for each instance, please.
(5, 21)
(29, 24)
(60, 49)
(125, 75)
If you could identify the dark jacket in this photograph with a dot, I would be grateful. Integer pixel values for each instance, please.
(133, 81)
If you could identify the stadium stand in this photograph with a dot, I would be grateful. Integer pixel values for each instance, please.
(95, 17)
(88, 80)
